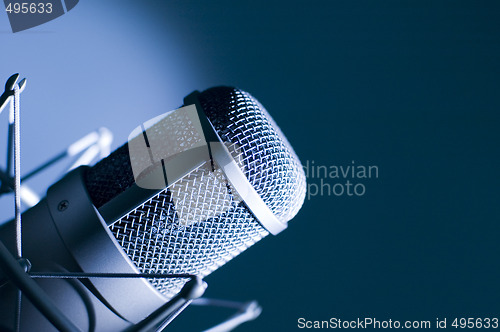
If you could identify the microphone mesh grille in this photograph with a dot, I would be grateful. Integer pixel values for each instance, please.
(198, 224)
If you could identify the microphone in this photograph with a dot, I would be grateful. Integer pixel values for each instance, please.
(190, 191)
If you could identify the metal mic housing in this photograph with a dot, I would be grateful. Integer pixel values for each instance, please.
(153, 234)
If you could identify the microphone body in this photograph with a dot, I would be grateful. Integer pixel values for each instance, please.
(184, 196)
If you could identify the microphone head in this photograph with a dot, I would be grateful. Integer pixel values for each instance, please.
(269, 161)
(200, 222)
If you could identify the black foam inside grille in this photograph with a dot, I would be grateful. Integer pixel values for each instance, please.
(110, 176)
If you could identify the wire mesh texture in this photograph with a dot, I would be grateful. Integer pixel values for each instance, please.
(199, 223)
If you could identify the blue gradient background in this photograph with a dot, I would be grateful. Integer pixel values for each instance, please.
(409, 86)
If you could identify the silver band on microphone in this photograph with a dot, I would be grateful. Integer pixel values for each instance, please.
(221, 155)
(245, 190)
